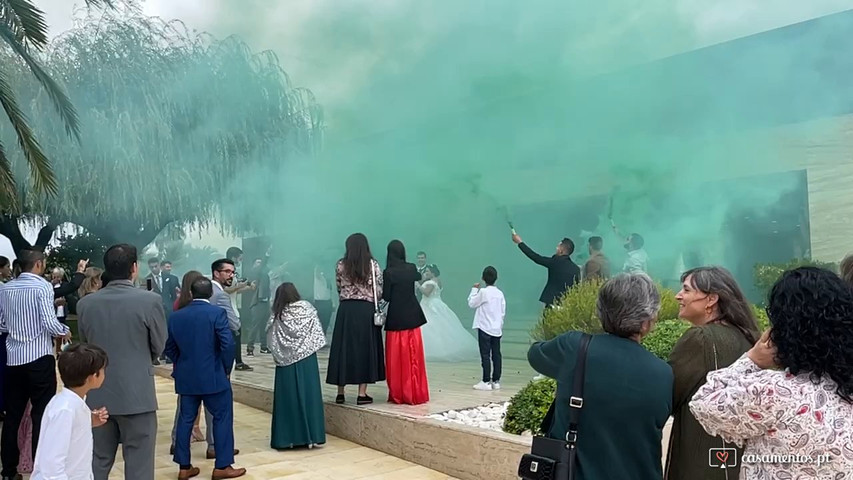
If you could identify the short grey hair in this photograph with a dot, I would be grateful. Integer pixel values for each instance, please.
(59, 270)
(625, 302)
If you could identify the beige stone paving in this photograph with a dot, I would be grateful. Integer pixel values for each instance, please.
(338, 459)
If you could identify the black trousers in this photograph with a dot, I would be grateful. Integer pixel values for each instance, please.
(259, 315)
(490, 354)
(238, 356)
(34, 382)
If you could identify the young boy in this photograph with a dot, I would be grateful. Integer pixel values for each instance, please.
(65, 447)
(488, 321)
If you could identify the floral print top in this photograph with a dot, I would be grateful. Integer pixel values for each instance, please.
(353, 291)
(793, 428)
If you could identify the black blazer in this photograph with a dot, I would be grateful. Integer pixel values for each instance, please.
(404, 311)
(563, 274)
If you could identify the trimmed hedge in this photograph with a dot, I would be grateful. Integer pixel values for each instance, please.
(575, 311)
(528, 407)
(766, 275)
(663, 337)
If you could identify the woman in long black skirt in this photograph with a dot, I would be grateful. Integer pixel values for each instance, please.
(356, 356)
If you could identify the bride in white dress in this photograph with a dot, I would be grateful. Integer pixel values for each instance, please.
(444, 337)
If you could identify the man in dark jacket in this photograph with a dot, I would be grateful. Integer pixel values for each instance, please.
(563, 273)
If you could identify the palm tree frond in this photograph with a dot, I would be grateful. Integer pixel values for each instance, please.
(25, 20)
(54, 91)
(41, 171)
(8, 199)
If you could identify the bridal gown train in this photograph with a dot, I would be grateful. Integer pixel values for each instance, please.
(444, 337)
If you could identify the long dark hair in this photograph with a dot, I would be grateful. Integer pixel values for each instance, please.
(396, 254)
(357, 259)
(285, 294)
(186, 296)
(811, 325)
(732, 303)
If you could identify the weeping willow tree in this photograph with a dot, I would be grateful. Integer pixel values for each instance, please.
(170, 119)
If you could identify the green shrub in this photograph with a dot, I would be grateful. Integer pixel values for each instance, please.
(664, 336)
(767, 274)
(528, 407)
(761, 316)
(575, 311)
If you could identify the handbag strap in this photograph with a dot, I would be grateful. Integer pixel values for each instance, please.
(375, 300)
(576, 400)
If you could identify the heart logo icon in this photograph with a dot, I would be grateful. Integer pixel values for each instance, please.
(722, 456)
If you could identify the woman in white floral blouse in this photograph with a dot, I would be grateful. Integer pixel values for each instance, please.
(789, 400)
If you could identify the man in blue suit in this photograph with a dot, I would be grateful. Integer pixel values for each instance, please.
(201, 346)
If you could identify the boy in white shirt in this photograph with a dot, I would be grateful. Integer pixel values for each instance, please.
(489, 321)
(65, 449)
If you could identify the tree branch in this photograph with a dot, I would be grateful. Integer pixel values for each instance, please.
(45, 234)
(10, 228)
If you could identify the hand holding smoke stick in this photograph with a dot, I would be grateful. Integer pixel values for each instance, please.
(515, 237)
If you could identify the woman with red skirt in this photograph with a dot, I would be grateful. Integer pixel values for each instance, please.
(404, 348)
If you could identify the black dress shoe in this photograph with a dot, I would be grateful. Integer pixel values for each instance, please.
(365, 400)
(340, 399)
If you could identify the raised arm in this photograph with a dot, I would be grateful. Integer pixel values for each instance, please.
(70, 287)
(538, 259)
(476, 298)
(549, 357)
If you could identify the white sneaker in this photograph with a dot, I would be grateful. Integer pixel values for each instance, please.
(483, 386)
(496, 386)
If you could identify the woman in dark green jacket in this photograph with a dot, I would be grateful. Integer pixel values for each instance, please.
(627, 390)
(724, 328)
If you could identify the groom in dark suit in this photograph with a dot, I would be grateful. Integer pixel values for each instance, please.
(201, 346)
(563, 273)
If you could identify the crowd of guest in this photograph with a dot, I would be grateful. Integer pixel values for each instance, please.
(727, 385)
(775, 404)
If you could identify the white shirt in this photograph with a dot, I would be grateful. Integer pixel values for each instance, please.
(65, 445)
(60, 311)
(491, 309)
(637, 261)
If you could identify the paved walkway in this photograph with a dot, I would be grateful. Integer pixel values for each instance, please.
(338, 459)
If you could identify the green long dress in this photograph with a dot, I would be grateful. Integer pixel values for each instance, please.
(298, 418)
(691, 360)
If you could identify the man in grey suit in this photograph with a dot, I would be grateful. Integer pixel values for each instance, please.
(130, 325)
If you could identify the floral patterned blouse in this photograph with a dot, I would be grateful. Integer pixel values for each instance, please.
(352, 291)
(793, 429)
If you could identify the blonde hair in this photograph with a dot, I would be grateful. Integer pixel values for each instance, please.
(92, 282)
(846, 269)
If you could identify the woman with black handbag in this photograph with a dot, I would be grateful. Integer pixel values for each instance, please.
(356, 356)
(613, 396)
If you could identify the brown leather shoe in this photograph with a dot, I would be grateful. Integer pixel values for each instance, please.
(211, 453)
(228, 472)
(185, 474)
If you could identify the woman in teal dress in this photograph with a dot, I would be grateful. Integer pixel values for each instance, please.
(294, 335)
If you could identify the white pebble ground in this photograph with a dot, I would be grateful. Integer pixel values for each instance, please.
(489, 416)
